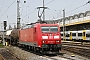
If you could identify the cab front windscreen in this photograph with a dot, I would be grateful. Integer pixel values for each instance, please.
(49, 28)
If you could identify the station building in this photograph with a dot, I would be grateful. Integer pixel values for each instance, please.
(76, 22)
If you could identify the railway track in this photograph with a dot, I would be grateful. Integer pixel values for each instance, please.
(40, 56)
(27, 55)
(77, 48)
(6, 55)
(56, 57)
(1, 58)
(77, 44)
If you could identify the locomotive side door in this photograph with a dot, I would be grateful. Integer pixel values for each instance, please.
(35, 34)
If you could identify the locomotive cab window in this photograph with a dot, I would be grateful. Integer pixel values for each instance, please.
(49, 28)
(45, 29)
(53, 28)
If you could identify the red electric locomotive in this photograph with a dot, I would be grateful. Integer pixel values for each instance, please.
(41, 37)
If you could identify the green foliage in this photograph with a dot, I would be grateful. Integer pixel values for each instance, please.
(1, 45)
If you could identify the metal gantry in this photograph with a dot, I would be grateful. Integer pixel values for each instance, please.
(18, 14)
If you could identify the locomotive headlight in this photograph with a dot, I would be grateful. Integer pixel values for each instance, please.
(44, 37)
(56, 37)
(43, 41)
(39, 46)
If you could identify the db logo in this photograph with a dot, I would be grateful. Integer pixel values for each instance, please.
(50, 37)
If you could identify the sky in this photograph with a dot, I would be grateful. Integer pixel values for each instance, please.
(29, 11)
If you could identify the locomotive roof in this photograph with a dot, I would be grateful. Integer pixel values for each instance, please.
(38, 24)
(48, 24)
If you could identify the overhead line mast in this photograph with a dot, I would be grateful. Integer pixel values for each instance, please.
(43, 12)
(18, 13)
(64, 25)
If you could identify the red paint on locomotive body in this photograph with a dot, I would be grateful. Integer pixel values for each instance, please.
(40, 34)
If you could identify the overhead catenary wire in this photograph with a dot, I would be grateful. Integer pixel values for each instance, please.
(65, 7)
(30, 13)
(22, 9)
(49, 2)
(8, 8)
(26, 6)
(77, 8)
(1, 5)
(72, 3)
(88, 9)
